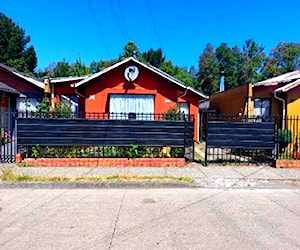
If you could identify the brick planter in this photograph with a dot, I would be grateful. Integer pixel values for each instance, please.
(105, 162)
(287, 163)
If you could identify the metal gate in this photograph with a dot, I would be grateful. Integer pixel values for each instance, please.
(239, 140)
(7, 137)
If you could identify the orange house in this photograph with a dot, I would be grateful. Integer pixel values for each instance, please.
(131, 86)
(277, 96)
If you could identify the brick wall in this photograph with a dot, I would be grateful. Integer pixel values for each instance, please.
(105, 162)
(287, 164)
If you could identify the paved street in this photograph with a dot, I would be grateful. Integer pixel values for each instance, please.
(149, 218)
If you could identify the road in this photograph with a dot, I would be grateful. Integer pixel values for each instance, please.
(149, 219)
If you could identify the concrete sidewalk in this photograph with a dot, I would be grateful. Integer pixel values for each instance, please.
(211, 176)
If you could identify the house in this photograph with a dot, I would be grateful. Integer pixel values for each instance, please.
(18, 91)
(130, 87)
(277, 96)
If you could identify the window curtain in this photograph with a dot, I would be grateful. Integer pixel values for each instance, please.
(262, 108)
(26, 104)
(137, 104)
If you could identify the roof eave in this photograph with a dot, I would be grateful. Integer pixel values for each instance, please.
(153, 69)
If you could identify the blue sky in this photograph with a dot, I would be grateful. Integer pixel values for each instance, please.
(62, 29)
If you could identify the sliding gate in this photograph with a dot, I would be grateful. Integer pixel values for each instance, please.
(239, 141)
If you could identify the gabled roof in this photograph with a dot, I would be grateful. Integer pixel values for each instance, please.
(21, 75)
(68, 79)
(151, 68)
(285, 78)
(289, 86)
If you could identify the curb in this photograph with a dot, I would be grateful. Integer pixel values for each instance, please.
(91, 185)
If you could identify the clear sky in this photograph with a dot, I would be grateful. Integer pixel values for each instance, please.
(98, 29)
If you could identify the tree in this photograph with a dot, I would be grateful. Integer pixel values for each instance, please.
(208, 77)
(252, 62)
(154, 57)
(179, 73)
(285, 57)
(130, 49)
(79, 69)
(228, 60)
(13, 46)
(98, 66)
(62, 69)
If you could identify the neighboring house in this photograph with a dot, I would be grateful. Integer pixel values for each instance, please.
(275, 96)
(18, 91)
(130, 86)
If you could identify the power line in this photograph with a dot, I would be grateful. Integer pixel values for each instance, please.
(153, 23)
(122, 18)
(125, 35)
(98, 28)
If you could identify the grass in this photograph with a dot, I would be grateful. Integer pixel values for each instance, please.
(10, 175)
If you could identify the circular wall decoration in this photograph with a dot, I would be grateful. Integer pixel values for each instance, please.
(131, 73)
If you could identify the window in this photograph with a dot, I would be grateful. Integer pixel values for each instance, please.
(26, 104)
(130, 105)
(262, 108)
(184, 107)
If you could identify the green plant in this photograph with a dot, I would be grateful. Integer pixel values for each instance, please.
(284, 137)
(5, 136)
(133, 152)
(173, 114)
(62, 110)
(42, 108)
(36, 151)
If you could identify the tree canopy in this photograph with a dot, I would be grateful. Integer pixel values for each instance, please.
(13, 46)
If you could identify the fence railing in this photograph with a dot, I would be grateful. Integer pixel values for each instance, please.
(107, 115)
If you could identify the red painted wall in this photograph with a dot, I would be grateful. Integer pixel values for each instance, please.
(19, 84)
(113, 82)
(64, 88)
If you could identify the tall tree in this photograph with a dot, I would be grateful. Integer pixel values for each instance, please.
(130, 49)
(62, 69)
(13, 46)
(154, 57)
(252, 62)
(228, 60)
(179, 73)
(79, 69)
(208, 77)
(285, 57)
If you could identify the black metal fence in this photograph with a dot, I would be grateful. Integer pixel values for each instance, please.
(178, 116)
(241, 139)
(7, 137)
(96, 134)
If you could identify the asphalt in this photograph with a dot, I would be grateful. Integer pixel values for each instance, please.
(213, 176)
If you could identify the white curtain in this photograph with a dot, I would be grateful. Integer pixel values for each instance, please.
(26, 104)
(137, 104)
(262, 108)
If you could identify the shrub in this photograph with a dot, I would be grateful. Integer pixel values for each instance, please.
(284, 136)
(173, 114)
(5, 136)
